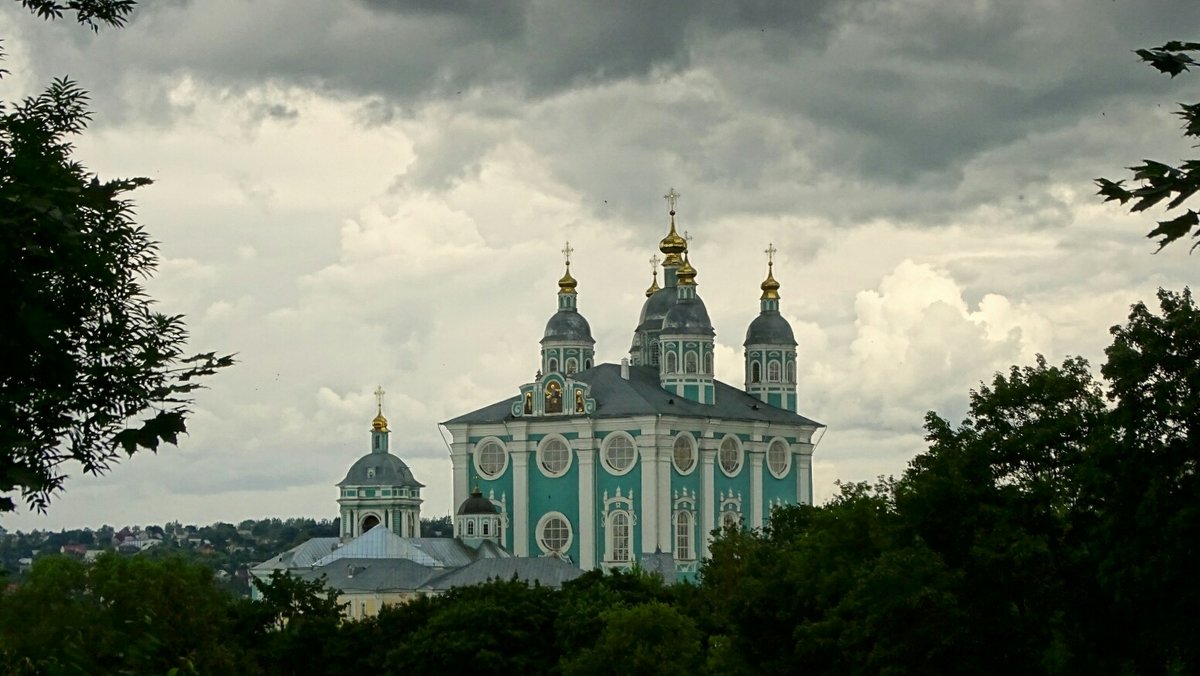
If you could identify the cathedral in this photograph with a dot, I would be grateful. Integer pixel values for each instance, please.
(616, 465)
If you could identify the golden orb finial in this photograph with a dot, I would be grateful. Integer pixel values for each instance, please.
(379, 424)
(686, 274)
(770, 287)
(567, 284)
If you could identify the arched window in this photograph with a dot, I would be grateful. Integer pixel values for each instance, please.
(485, 529)
(755, 373)
(791, 371)
(572, 365)
(671, 363)
(553, 397)
(587, 364)
(773, 371)
(551, 365)
(470, 528)
(708, 363)
(689, 362)
(654, 352)
(618, 536)
(683, 535)
(369, 522)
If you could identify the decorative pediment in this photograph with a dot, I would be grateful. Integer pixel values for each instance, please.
(554, 394)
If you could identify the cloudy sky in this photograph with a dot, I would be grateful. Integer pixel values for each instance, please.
(351, 193)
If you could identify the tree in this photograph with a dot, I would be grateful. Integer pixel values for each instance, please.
(1158, 181)
(90, 372)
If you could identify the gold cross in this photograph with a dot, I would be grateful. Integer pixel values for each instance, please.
(671, 198)
(379, 398)
(567, 251)
(770, 251)
(654, 264)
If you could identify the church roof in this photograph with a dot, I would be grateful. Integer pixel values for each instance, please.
(643, 394)
(302, 555)
(381, 543)
(378, 575)
(546, 571)
(389, 471)
(770, 328)
(568, 325)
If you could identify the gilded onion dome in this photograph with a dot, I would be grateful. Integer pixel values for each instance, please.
(379, 424)
(653, 285)
(567, 284)
(770, 287)
(672, 245)
(686, 274)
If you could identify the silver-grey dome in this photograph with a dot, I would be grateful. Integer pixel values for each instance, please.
(688, 317)
(380, 469)
(656, 307)
(770, 328)
(477, 504)
(568, 325)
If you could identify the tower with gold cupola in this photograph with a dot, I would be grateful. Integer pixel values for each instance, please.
(379, 489)
(637, 463)
(770, 347)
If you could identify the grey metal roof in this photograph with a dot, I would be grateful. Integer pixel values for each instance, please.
(477, 504)
(642, 394)
(688, 317)
(302, 555)
(389, 471)
(568, 324)
(770, 328)
(547, 571)
(377, 575)
(381, 543)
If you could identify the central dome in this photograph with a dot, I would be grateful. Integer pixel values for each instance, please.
(688, 317)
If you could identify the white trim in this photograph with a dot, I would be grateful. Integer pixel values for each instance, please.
(475, 457)
(604, 452)
(541, 524)
(741, 456)
(541, 447)
(787, 458)
(756, 489)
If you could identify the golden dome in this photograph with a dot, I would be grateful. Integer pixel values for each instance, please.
(770, 287)
(686, 274)
(653, 285)
(567, 284)
(672, 245)
(379, 424)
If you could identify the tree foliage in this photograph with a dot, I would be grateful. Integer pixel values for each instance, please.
(1158, 181)
(91, 372)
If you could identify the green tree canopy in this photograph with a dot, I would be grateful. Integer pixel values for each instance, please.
(90, 372)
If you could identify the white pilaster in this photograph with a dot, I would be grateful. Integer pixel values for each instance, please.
(756, 487)
(663, 497)
(460, 462)
(520, 469)
(804, 487)
(708, 496)
(586, 456)
(649, 502)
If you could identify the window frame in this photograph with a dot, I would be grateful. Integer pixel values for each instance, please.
(787, 458)
(540, 458)
(741, 455)
(539, 532)
(611, 544)
(475, 458)
(605, 445)
(695, 453)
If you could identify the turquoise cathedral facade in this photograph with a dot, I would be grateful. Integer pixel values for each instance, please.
(616, 465)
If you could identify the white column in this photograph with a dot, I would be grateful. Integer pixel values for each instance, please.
(708, 497)
(520, 506)
(460, 462)
(587, 504)
(648, 518)
(804, 487)
(665, 541)
(756, 488)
